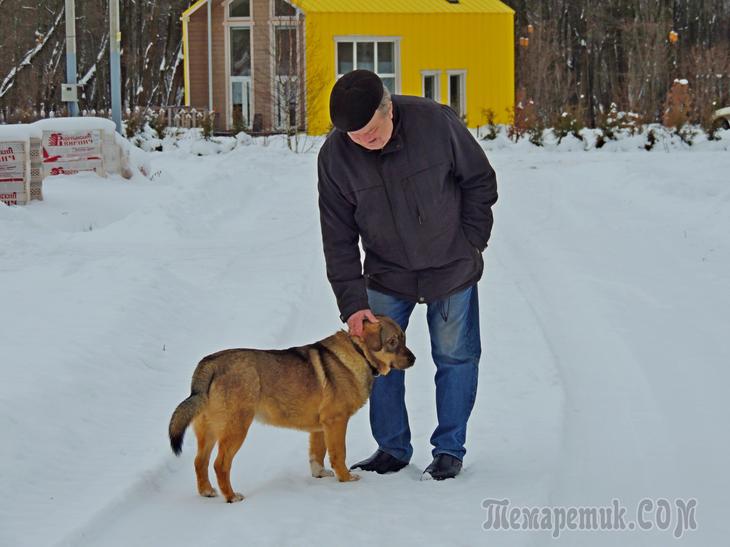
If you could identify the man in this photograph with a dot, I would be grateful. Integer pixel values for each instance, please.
(405, 176)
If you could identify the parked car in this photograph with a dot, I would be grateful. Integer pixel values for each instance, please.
(721, 118)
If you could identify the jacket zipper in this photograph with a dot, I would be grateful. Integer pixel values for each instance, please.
(412, 196)
(392, 213)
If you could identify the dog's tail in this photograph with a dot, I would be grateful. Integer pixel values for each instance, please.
(190, 407)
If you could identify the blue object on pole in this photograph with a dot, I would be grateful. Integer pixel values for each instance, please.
(115, 39)
(73, 107)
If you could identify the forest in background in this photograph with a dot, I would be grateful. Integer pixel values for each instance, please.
(575, 56)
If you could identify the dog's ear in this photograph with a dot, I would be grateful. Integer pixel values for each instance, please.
(371, 335)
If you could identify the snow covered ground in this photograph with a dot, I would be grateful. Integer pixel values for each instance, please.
(604, 317)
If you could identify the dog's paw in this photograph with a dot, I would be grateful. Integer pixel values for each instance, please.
(319, 472)
(350, 477)
(323, 473)
(235, 498)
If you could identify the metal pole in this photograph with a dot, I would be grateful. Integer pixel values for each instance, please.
(73, 107)
(210, 60)
(115, 39)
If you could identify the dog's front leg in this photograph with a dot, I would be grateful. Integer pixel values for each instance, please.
(317, 450)
(334, 434)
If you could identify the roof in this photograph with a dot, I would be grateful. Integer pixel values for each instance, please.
(401, 6)
(193, 8)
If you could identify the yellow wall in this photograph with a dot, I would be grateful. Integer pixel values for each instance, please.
(481, 44)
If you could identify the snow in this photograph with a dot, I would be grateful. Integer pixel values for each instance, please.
(19, 131)
(87, 123)
(133, 158)
(604, 322)
(666, 141)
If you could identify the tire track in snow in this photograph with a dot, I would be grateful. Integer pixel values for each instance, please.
(616, 442)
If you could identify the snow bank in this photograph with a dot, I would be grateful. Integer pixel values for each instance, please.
(19, 132)
(119, 155)
(133, 159)
(81, 123)
(665, 140)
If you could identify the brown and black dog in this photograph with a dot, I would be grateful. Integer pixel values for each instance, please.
(314, 388)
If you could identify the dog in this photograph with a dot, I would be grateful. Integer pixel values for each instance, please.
(315, 388)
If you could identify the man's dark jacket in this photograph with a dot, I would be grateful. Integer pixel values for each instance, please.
(422, 206)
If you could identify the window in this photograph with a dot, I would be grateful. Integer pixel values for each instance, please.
(240, 102)
(284, 9)
(345, 58)
(240, 75)
(286, 51)
(287, 101)
(239, 8)
(378, 55)
(286, 83)
(240, 51)
(431, 88)
(457, 91)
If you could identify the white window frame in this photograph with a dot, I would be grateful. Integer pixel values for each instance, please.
(276, 23)
(227, 11)
(437, 89)
(355, 39)
(228, 25)
(276, 103)
(276, 18)
(462, 97)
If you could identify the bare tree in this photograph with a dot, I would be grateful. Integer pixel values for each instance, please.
(290, 83)
(32, 53)
(581, 55)
(587, 55)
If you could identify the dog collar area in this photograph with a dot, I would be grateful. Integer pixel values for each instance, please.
(361, 352)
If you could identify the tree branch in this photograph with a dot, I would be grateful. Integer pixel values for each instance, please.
(9, 80)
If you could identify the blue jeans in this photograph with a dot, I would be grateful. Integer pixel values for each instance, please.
(453, 324)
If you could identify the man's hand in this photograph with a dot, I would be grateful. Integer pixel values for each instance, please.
(355, 321)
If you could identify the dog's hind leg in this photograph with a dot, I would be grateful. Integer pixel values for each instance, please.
(206, 441)
(230, 441)
(317, 450)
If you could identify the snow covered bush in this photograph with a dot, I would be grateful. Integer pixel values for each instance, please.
(567, 123)
(524, 116)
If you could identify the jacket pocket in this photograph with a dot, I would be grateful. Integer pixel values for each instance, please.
(413, 200)
(432, 196)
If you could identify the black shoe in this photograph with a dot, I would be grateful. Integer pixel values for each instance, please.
(443, 466)
(381, 462)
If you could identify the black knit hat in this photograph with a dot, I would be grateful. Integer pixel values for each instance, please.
(354, 99)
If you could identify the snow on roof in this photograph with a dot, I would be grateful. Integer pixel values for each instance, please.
(76, 124)
(19, 131)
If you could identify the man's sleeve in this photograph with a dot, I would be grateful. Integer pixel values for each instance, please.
(477, 179)
(340, 241)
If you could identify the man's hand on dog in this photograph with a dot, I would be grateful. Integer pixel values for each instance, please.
(355, 321)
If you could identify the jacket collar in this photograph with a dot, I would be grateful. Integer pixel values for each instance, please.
(396, 140)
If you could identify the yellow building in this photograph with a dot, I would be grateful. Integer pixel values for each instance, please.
(270, 64)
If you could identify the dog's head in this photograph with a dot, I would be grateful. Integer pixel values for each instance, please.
(386, 344)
